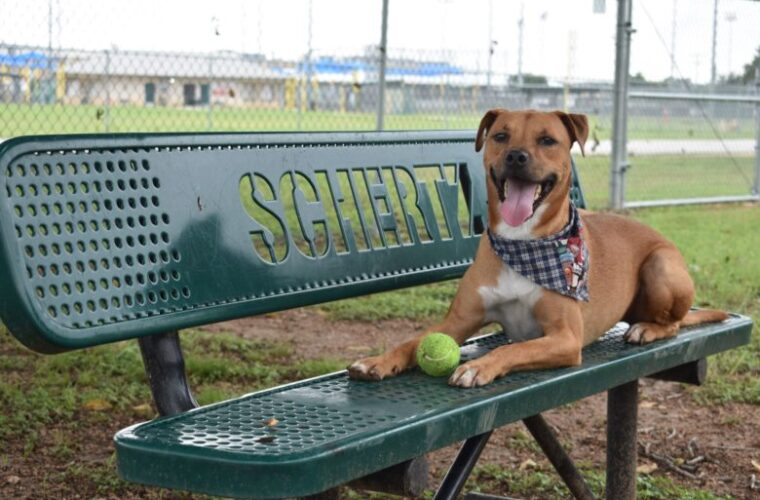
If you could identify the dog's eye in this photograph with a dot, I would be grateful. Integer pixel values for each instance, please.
(501, 137)
(547, 141)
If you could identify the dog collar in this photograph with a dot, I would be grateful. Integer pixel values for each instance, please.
(558, 262)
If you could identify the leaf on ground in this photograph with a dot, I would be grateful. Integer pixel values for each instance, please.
(756, 465)
(646, 468)
(647, 404)
(96, 405)
(12, 479)
(528, 464)
(143, 410)
(270, 422)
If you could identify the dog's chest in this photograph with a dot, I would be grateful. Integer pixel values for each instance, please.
(510, 303)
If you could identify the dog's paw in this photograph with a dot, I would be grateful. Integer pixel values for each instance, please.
(472, 374)
(644, 333)
(374, 368)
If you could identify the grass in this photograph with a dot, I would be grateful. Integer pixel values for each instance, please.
(720, 248)
(668, 176)
(534, 483)
(43, 390)
(25, 119)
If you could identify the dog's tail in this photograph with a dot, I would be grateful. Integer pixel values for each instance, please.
(703, 316)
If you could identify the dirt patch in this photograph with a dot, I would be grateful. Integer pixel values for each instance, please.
(313, 335)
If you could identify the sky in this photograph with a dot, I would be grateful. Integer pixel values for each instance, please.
(563, 39)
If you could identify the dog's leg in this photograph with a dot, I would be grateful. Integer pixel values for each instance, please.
(665, 295)
(562, 324)
(464, 318)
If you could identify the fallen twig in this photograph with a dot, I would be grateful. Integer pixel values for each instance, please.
(693, 447)
(667, 462)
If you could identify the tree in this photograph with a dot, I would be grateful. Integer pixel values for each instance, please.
(751, 68)
(748, 76)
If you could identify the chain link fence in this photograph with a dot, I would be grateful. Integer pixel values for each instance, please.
(60, 72)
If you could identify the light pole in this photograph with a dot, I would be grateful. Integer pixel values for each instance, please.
(730, 18)
(520, 25)
(380, 124)
(673, 42)
(713, 72)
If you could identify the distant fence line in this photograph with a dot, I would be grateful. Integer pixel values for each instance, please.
(144, 91)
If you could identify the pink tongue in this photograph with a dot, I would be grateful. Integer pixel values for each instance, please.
(518, 205)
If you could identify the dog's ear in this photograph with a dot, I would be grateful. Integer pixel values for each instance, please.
(485, 124)
(577, 127)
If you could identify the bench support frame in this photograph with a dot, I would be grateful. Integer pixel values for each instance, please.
(557, 455)
(165, 367)
(622, 413)
(462, 467)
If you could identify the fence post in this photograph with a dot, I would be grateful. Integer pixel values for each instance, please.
(383, 61)
(107, 112)
(210, 103)
(756, 186)
(620, 110)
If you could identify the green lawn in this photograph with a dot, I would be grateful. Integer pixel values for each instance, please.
(667, 176)
(25, 119)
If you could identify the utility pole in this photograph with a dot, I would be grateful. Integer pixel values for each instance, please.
(673, 41)
(309, 67)
(713, 72)
(490, 44)
(520, 25)
(730, 18)
(383, 61)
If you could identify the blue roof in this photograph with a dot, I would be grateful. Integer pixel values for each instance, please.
(35, 60)
(330, 65)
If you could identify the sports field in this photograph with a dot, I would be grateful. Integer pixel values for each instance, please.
(24, 119)
(651, 177)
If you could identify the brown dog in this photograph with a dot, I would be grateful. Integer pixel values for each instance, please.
(633, 274)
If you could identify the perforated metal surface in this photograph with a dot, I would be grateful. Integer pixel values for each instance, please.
(106, 238)
(94, 238)
(112, 237)
(336, 429)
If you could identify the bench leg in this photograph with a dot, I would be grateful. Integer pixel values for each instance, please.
(462, 467)
(622, 409)
(165, 366)
(562, 463)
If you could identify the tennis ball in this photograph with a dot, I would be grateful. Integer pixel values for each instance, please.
(438, 354)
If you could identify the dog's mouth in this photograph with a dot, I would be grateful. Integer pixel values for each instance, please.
(520, 198)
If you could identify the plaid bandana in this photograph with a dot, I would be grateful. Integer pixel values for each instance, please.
(558, 262)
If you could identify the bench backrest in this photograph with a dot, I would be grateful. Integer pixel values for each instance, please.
(106, 238)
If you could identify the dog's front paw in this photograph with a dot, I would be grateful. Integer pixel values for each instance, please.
(644, 333)
(472, 374)
(374, 368)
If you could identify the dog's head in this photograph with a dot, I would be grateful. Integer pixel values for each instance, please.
(527, 160)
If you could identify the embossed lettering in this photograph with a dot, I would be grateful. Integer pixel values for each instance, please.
(265, 209)
(349, 210)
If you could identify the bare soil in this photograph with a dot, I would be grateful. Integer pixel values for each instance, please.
(673, 429)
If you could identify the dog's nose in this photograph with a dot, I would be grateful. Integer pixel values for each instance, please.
(517, 158)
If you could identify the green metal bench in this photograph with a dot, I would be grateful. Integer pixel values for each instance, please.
(107, 238)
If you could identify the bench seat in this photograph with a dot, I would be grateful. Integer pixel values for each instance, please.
(332, 429)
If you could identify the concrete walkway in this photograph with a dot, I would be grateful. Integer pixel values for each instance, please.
(643, 147)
